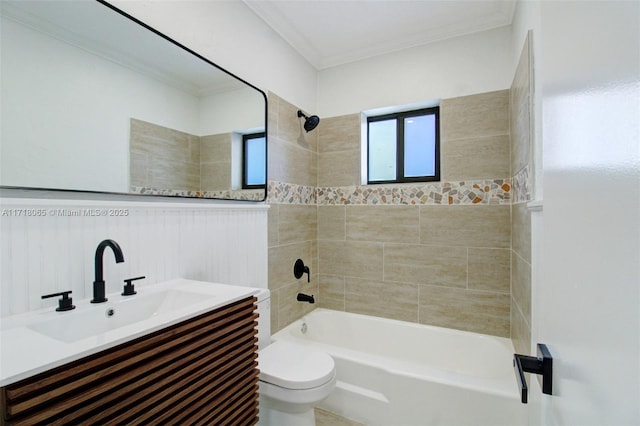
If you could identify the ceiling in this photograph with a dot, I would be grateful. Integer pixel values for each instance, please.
(335, 32)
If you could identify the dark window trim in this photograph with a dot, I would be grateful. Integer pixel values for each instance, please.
(399, 117)
(246, 138)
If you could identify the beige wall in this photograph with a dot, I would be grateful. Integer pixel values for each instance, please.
(521, 169)
(215, 162)
(292, 174)
(422, 260)
(163, 158)
(453, 253)
(169, 162)
(416, 257)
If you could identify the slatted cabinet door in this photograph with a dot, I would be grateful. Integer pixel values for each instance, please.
(201, 371)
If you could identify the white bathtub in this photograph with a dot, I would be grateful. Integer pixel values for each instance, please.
(399, 373)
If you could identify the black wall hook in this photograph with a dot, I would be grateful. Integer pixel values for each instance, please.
(542, 365)
(299, 269)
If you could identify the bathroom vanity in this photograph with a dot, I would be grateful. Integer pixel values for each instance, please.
(192, 360)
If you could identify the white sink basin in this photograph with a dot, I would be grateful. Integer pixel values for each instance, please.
(111, 315)
(37, 341)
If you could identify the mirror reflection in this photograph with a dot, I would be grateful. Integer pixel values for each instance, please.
(93, 101)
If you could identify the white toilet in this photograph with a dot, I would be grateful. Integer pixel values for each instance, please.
(293, 378)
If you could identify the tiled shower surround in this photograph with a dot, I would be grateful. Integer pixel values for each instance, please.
(435, 253)
(165, 161)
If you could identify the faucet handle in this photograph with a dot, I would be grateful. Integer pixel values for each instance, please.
(64, 304)
(299, 269)
(129, 288)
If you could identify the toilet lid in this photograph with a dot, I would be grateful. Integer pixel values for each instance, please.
(293, 366)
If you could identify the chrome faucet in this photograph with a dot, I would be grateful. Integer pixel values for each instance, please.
(98, 284)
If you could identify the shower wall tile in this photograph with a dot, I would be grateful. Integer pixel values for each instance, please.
(485, 114)
(521, 231)
(520, 101)
(522, 168)
(383, 223)
(163, 158)
(289, 311)
(520, 330)
(275, 312)
(339, 151)
(215, 162)
(297, 223)
(292, 151)
(340, 133)
(490, 269)
(471, 310)
(332, 222)
(469, 226)
(281, 260)
(293, 221)
(475, 158)
(451, 235)
(436, 253)
(289, 127)
(289, 162)
(421, 264)
(474, 137)
(340, 168)
(215, 176)
(351, 259)
(382, 299)
(521, 285)
(332, 292)
(272, 233)
(215, 148)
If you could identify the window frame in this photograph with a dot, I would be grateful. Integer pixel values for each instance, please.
(399, 117)
(246, 137)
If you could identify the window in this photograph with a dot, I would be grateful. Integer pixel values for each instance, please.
(404, 147)
(254, 154)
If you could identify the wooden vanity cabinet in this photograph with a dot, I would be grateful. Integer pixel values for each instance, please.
(203, 371)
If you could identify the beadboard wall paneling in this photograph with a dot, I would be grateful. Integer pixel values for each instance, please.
(49, 246)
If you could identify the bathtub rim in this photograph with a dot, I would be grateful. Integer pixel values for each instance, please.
(504, 385)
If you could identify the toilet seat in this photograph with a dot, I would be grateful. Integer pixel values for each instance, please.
(293, 366)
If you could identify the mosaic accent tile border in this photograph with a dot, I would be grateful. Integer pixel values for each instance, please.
(496, 191)
(290, 193)
(522, 185)
(240, 194)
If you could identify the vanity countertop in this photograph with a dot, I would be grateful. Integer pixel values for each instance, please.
(38, 341)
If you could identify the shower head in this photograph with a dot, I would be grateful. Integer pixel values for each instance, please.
(310, 122)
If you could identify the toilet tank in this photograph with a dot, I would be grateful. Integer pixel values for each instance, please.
(264, 320)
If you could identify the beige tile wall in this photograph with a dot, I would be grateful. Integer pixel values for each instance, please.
(293, 156)
(440, 265)
(475, 136)
(163, 158)
(339, 151)
(215, 162)
(292, 227)
(446, 265)
(520, 102)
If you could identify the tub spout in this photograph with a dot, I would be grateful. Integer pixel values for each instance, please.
(305, 298)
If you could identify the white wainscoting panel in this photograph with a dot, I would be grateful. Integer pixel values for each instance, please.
(49, 246)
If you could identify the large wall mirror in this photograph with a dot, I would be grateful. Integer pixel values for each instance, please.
(93, 100)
